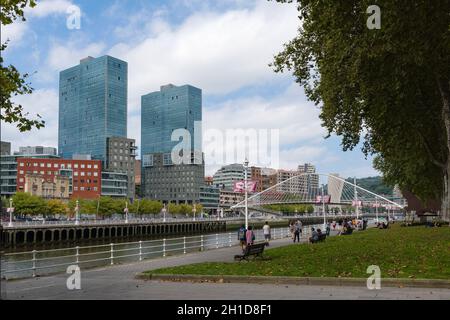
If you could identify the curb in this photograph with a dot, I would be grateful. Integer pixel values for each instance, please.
(325, 281)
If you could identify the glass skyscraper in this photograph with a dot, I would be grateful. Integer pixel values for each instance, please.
(166, 110)
(92, 106)
(163, 112)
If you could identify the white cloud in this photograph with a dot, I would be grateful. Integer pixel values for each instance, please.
(45, 103)
(219, 52)
(63, 56)
(13, 32)
(45, 8)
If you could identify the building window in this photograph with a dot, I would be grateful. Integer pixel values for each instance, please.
(89, 166)
(95, 174)
(75, 173)
(95, 166)
(35, 164)
(21, 179)
(21, 164)
(42, 164)
(21, 171)
(82, 173)
(167, 159)
(75, 188)
(82, 166)
(55, 165)
(49, 165)
(95, 188)
(69, 166)
(75, 166)
(81, 188)
(147, 160)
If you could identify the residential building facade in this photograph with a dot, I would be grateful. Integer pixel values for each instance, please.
(8, 172)
(56, 187)
(84, 175)
(120, 158)
(209, 198)
(114, 184)
(36, 150)
(226, 176)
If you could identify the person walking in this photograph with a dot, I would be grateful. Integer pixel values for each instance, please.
(291, 229)
(242, 236)
(249, 236)
(266, 231)
(297, 231)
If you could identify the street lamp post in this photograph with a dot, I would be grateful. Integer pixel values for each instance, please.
(164, 212)
(356, 199)
(11, 210)
(126, 211)
(246, 195)
(77, 213)
(376, 208)
(194, 209)
(323, 208)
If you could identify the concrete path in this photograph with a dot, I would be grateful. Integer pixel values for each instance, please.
(118, 282)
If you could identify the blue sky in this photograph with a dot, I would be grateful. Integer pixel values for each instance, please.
(222, 47)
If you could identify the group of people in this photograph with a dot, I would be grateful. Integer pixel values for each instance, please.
(247, 237)
(295, 228)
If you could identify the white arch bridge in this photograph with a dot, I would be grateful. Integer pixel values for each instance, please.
(337, 195)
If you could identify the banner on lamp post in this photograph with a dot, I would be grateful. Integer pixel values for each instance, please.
(326, 199)
(239, 186)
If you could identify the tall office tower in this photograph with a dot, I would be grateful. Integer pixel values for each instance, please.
(310, 183)
(164, 114)
(92, 106)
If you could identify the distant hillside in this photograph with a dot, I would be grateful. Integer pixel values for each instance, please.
(374, 184)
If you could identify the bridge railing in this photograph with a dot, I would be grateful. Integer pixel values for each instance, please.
(45, 262)
(5, 224)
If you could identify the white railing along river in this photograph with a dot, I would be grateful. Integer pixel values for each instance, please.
(45, 262)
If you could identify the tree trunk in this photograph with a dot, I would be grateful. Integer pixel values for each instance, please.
(444, 88)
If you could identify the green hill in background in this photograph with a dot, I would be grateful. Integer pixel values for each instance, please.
(374, 184)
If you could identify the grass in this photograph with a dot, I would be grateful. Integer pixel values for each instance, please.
(400, 252)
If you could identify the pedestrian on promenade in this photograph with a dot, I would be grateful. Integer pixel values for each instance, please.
(291, 229)
(249, 236)
(297, 231)
(327, 232)
(266, 231)
(242, 236)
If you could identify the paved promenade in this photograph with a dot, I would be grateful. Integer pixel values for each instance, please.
(118, 282)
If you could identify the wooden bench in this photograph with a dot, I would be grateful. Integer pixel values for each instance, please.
(255, 250)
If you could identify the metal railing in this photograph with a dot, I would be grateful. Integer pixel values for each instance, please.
(42, 262)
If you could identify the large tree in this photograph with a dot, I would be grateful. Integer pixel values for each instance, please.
(389, 87)
(12, 83)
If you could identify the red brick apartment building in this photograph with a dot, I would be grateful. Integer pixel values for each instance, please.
(86, 175)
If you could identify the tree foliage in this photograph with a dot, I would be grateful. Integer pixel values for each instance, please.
(12, 83)
(388, 87)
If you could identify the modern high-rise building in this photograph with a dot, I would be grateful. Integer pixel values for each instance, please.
(171, 113)
(36, 150)
(226, 176)
(310, 182)
(92, 106)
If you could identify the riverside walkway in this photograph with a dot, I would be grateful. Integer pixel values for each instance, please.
(119, 282)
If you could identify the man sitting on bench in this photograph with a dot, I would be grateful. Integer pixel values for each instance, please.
(317, 236)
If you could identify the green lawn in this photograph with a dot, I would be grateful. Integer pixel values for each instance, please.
(400, 252)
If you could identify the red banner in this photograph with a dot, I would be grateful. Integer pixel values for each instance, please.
(326, 199)
(239, 186)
